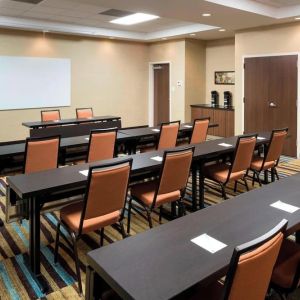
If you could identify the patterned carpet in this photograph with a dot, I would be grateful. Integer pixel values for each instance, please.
(15, 279)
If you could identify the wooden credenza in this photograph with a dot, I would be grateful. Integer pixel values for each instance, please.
(218, 114)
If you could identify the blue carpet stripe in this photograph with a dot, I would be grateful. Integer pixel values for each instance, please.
(33, 284)
(51, 217)
(8, 284)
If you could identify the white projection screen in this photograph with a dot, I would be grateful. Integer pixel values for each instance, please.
(34, 82)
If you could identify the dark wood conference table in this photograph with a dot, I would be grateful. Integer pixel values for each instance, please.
(132, 136)
(163, 263)
(42, 187)
(37, 124)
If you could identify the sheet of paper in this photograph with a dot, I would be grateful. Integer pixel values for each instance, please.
(55, 121)
(285, 206)
(87, 138)
(208, 243)
(157, 158)
(84, 172)
(188, 126)
(225, 145)
(156, 130)
(261, 138)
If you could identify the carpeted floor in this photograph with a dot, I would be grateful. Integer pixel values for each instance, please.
(15, 279)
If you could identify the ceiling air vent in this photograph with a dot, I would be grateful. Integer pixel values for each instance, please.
(29, 1)
(116, 13)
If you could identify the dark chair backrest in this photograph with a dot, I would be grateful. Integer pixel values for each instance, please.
(41, 154)
(106, 189)
(168, 135)
(252, 264)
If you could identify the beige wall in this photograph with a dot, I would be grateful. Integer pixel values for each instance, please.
(110, 76)
(219, 57)
(273, 40)
(173, 52)
(194, 74)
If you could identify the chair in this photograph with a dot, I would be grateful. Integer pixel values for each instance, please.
(84, 113)
(101, 144)
(41, 154)
(167, 137)
(103, 205)
(271, 159)
(50, 115)
(250, 269)
(199, 132)
(169, 188)
(286, 273)
(222, 173)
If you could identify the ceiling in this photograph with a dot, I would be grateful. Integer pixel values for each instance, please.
(178, 18)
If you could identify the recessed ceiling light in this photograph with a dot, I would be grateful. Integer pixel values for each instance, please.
(297, 18)
(134, 19)
(192, 34)
(206, 15)
(222, 29)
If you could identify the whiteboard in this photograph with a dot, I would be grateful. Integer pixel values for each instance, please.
(34, 82)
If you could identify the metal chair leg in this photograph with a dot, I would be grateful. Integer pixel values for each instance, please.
(258, 178)
(253, 178)
(276, 173)
(149, 217)
(101, 236)
(56, 242)
(74, 240)
(160, 214)
(246, 184)
(129, 215)
(223, 192)
(124, 235)
(235, 186)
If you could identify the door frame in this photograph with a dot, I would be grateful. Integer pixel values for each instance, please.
(298, 90)
(151, 91)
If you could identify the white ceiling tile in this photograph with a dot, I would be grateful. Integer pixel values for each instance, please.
(12, 12)
(15, 4)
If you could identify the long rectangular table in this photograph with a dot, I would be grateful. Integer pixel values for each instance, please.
(131, 136)
(37, 124)
(38, 188)
(163, 263)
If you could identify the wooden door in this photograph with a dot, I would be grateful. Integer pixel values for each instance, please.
(271, 96)
(161, 93)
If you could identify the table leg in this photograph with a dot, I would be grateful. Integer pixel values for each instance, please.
(201, 185)
(272, 175)
(194, 187)
(34, 243)
(298, 237)
(266, 180)
(89, 283)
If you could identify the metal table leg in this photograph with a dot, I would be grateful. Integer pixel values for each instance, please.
(201, 185)
(194, 187)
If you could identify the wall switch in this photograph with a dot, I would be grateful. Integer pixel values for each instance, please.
(179, 83)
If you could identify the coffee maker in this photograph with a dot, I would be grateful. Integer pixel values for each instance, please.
(227, 99)
(214, 98)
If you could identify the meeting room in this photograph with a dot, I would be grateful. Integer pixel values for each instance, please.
(149, 149)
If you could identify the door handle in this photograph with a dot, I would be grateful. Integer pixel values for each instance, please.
(272, 104)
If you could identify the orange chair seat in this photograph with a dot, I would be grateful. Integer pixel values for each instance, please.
(287, 262)
(71, 215)
(219, 173)
(257, 163)
(145, 192)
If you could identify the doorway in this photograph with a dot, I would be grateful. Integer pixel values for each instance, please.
(270, 96)
(160, 93)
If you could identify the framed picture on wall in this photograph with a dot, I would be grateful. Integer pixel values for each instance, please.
(224, 77)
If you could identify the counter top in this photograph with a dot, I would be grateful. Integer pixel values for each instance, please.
(213, 107)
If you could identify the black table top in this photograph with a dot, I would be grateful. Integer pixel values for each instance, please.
(68, 121)
(29, 185)
(162, 262)
(209, 105)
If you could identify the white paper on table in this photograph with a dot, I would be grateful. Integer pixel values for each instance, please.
(225, 145)
(208, 243)
(87, 138)
(155, 130)
(55, 121)
(84, 172)
(188, 126)
(285, 206)
(157, 158)
(261, 138)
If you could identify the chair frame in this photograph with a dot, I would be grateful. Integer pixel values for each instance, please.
(199, 119)
(257, 173)
(42, 111)
(101, 130)
(37, 139)
(223, 185)
(150, 209)
(160, 131)
(76, 236)
(81, 108)
(246, 247)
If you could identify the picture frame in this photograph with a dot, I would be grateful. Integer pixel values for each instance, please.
(225, 77)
